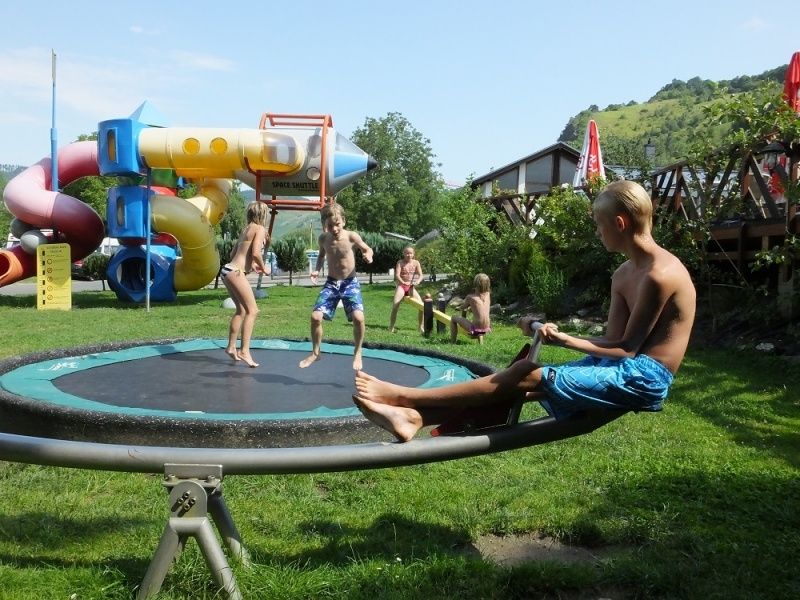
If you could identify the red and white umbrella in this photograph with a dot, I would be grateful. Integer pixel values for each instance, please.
(791, 84)
(590, 163)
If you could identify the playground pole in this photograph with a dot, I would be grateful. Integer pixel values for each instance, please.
(53, 133)
(147, 229)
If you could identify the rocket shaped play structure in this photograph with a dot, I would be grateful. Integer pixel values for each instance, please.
(293, 162)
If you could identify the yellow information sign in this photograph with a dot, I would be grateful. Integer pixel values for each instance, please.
(53, 277)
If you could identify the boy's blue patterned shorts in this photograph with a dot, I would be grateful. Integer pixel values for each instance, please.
(639, 384)
(346, 290)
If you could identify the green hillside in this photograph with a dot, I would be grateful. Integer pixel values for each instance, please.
(670, 120)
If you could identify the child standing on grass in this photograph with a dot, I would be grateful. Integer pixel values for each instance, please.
(478, 302)
(407, 273)
(336, 244)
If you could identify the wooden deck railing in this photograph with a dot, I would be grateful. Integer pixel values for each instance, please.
(745, 211)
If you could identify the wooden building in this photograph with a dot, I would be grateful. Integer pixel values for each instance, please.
(513, 189)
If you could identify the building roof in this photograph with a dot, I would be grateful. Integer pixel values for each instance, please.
(552, 149)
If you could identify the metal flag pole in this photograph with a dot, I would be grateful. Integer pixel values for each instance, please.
(54, 134)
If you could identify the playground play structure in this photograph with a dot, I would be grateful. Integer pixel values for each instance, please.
(294, 162)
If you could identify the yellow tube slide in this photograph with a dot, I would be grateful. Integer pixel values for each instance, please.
(191, 223)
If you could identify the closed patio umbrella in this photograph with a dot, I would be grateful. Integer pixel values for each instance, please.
(590, 163)
(791, 84)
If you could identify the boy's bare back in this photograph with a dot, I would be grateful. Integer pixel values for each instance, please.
(479, 305)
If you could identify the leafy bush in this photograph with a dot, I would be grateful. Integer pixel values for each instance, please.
(290, 254)
(96, 265)
(474, 238)
(429, 256)
(225, 247)
(566, 235)
(522, 262)
(385, 254)
(533, 274)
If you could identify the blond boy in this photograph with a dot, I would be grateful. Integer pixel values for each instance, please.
(336, 245)
(630, 367)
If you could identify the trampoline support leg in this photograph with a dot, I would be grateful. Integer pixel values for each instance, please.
(195, 492)
(227, 528)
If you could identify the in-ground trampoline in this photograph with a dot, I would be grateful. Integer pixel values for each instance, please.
(184, 409)
(190, 394)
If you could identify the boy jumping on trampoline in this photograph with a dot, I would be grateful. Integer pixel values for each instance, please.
(630, 367)
(336, 243)
(478, 303)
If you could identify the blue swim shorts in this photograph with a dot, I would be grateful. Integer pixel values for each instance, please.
(346, 290)
(639, 384)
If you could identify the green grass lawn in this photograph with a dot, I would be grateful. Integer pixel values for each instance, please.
(699, 501)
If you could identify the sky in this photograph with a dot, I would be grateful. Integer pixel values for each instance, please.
(485, 82)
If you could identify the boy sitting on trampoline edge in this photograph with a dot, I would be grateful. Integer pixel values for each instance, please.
(630, 367)
(336, 243)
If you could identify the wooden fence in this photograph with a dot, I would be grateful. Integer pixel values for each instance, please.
(745, 208)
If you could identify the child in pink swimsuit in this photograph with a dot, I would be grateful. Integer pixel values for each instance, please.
(407, 273)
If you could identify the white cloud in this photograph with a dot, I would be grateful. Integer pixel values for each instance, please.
(16, 118)
(754, 24)
(139, 30)
(191, 60)
(95, 88)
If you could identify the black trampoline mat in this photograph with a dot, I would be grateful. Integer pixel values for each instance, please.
(208, 381)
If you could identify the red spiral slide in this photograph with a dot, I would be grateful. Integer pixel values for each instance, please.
(29, 199)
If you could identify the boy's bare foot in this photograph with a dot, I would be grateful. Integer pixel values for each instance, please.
(357, 361)
(233, 354)
(248, 360)
(309, 360)
(392, 329)
(376, 390)
(402, 423)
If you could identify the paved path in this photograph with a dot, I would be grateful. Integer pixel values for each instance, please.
(28, 287)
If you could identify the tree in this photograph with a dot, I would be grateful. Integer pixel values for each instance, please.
(290, 253)
(92, 191)
(96, 265)
(474, 237)
(401, 194)
(629, 153)
(5, 215)
(233, 221)
(385, 254)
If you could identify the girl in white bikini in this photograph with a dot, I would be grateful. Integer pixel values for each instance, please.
(247, 255)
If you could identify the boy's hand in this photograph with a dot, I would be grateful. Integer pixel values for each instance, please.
(368, 256)
(550, 334)
(314, 275)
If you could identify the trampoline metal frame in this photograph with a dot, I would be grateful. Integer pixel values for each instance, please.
(193, 476)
